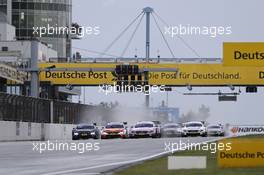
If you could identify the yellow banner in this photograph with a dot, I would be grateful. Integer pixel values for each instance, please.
(245, 152)
(76, 77)
(188, 74)
(243, 54)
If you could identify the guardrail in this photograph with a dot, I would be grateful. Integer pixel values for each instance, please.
(28, 109)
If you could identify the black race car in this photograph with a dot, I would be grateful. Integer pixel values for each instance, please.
(85, 131)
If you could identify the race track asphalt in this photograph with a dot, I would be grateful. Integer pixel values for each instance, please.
(22, 158)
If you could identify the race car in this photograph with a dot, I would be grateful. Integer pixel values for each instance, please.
(115, 130)
(85, 131)
(215, 130)
(171, 130)
(194, 129)
(146, 129)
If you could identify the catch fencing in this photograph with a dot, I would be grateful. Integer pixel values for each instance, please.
(29, 109)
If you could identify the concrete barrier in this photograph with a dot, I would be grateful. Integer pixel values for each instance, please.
(26, 131)
(15, 131)
(58, 131)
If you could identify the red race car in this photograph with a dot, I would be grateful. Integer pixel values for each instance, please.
(114, 130)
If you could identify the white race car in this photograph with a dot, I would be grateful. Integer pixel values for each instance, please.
(215, 130)
(145, 129)
(194, 129)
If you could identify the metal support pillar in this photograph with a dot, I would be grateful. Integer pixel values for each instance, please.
(34, 83)
(147, 11)
(51, 112)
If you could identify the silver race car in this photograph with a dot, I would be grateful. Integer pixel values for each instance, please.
(171, 130)
(215, 130)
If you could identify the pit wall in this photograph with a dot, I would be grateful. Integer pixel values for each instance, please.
(26, 131)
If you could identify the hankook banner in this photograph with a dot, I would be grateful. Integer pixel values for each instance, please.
(245, 130)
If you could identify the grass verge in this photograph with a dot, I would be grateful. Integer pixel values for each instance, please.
(160, 166)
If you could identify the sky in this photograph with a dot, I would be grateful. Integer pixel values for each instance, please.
(112, 16)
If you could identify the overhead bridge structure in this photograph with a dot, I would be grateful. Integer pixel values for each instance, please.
(179, 73)
(170, 72)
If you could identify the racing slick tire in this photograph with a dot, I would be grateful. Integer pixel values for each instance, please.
(75, 138)
(204, 135)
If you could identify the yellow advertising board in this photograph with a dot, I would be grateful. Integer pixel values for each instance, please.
(243, 54)
(76, 77)
(188, 74)
(207, 75)
(245, 152)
